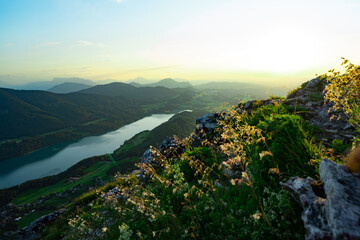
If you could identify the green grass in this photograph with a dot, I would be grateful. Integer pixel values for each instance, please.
(34, 194)
(25, 221)
(274, 97)
(139, 138)
(98, 169)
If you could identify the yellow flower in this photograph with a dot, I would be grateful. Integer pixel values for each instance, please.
(256, 216)
(274, 170)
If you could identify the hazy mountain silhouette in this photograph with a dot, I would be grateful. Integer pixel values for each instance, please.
(68, 87)
(139, 80)
(167, 82)
(4, 84)
(73, 80)
(44, 85)
(170, 83)
(136, 84)
(127, 90)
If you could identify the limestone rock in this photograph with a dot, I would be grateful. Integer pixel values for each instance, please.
(172, 147)
(336, 215)
(152, 158)
(342, 190)
(208, 122)
(313, 216)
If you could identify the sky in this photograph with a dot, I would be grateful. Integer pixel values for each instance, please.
(266, 41)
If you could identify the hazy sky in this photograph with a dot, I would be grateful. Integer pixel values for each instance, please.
(257, 40)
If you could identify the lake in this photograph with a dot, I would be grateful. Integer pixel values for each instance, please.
(57, 158)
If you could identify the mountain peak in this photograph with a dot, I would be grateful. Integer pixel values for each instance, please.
(167, 80)
(170, 83)
(68, 87)
(73, 80)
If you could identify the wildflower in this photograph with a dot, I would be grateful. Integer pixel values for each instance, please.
(265, 153)
(256, 216)
(274, 170)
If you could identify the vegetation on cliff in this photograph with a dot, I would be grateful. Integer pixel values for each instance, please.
(199, 195)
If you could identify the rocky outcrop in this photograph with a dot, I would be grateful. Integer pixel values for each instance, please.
(335, 213)
(172, 148)
(311, 99)
(308, 102)
(253, 104)
(207, 123)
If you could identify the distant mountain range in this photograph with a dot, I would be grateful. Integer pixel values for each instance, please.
(74, 84)
(68, 87)
(167, 82)
(155, 93)
(139, 80)
(45, 85)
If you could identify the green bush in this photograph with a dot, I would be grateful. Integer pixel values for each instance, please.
(338, 146)
(290, 145)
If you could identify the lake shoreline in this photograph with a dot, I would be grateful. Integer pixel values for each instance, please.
(57, 158)
(9, 149)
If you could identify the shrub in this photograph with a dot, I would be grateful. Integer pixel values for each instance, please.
(290, 145)
(292, 91)
(343, 90)
(274, 97)
(338, 146)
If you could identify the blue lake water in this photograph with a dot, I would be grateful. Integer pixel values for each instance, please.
(57, 158)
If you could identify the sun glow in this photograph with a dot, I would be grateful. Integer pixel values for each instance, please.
(282, 48)
(187, 39)
(249, 37)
